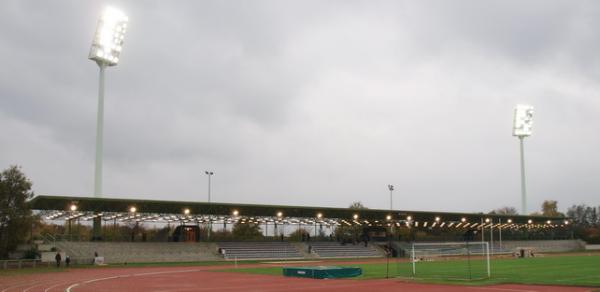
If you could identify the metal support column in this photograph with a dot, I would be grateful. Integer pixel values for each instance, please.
(99, 134)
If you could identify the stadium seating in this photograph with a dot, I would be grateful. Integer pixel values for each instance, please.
(129, 252)
(258, 250)
(508, 247)
(328, 249)
(546, 245)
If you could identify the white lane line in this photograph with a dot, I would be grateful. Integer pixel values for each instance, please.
(15, 286)
(94, 280)
(165, 272)
(50, 288)
(71, 287)
(128, 275)
(33, 286)
(107, 278)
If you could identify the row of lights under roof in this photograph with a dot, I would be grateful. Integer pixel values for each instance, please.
(279, 214)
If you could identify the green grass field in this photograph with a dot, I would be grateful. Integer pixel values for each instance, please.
(573, 270)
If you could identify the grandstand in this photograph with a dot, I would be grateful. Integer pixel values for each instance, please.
(258, 250)
(328, 249)
(546, 245)
(132, 252)
(192, 223)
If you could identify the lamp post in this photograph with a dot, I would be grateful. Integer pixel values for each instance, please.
(522, 123)
(387, 270)
(105, 51)
(209, 174)
(391, 188)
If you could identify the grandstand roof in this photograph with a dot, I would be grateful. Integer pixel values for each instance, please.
(59, 208)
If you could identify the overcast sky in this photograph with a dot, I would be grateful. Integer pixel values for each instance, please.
(316, 103)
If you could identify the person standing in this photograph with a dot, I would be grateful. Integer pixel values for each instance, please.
(67, 261)
(58, 259)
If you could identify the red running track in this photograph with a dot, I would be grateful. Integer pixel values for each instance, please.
(180, 279)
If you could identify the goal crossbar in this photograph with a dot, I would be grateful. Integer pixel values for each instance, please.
(440, 246)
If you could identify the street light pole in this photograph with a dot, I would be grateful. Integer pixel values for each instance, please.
(389, 247)
(391, 188)
(209, 174)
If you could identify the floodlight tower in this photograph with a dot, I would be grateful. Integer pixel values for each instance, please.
(522, 123)
(105, 51)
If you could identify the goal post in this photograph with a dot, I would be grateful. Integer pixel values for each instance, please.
(451, 260)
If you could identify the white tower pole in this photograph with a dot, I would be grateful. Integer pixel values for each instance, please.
(523, 184)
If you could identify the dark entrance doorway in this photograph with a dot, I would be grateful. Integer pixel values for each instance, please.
(185, 233)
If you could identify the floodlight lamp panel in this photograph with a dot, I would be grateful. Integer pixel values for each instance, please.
(523, 120)
(108, 39)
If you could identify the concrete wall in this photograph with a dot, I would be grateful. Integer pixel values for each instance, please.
(592, 247)
(49, 256)
(130, 252)
(545, 245)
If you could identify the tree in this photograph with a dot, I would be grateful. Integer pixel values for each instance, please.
(583, 214)
(16, 219)
(357, 206)
(350, 232)
(505, 211)
(550, 209)
(249, 231)
(298, 234)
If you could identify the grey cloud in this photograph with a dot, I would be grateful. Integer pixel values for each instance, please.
(308, 103)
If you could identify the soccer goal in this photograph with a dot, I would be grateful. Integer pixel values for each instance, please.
(451, 260)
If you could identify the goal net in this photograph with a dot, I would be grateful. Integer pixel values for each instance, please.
(451, 260)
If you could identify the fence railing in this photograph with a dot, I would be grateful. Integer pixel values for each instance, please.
(21, 264)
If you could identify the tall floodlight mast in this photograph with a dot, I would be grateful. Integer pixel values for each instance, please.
(105, 51)
(522, 125)
(391, 188)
